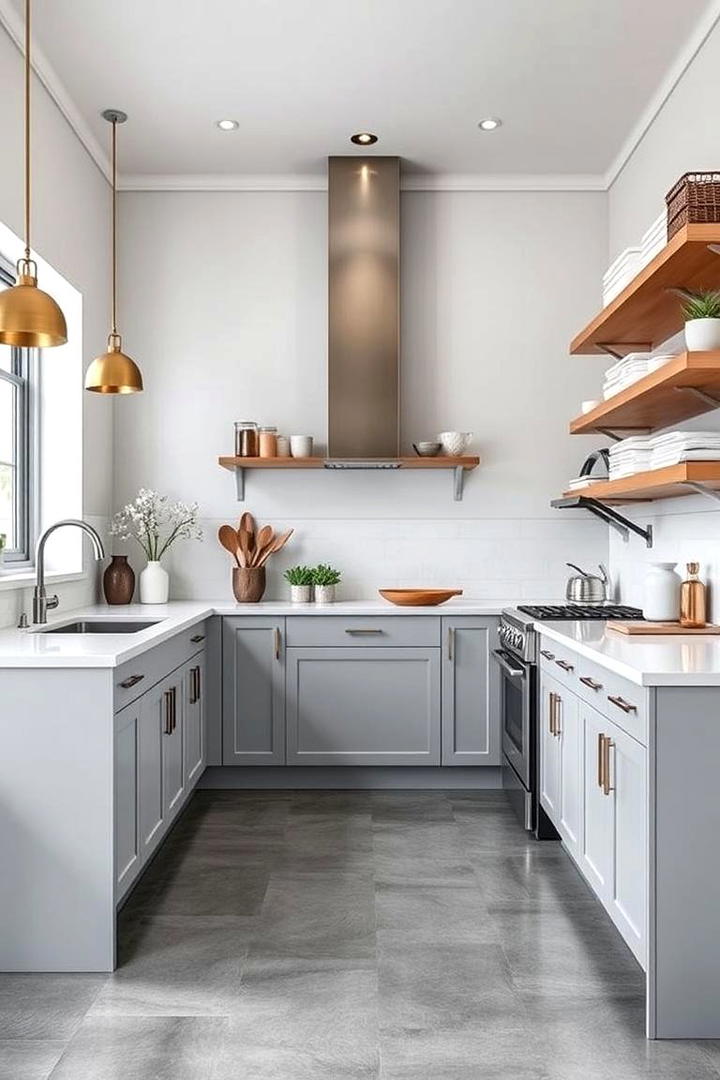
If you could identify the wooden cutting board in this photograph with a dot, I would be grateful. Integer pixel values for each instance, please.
(639, 627)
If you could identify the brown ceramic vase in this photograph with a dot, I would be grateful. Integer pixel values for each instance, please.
(119, 581)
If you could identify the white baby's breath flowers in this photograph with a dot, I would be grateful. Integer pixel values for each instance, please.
(156, 523)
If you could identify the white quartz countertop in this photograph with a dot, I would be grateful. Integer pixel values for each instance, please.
(652, 660)
(33, 649)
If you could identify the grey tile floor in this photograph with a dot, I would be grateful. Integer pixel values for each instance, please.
(358, 935)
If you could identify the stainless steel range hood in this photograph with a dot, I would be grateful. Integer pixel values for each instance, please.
(364, 311)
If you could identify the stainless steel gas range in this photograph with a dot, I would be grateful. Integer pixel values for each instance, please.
(517, 659)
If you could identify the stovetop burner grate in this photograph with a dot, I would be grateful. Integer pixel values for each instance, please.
(580, 611)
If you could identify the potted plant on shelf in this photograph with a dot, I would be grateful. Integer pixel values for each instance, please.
(325, 578)
(156, 524)
(300, 579)
(702, 321)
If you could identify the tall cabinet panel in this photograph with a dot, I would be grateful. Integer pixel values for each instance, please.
(194, 719)
(127, 832)
(253, 691)
(470, 692)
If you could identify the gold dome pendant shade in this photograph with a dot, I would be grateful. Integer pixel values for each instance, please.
(114, 372)
(29, 317)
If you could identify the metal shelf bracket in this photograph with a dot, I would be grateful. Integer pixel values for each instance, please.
(709, 493)
(458, 482)
(240, 484)
(713, 402)
(607, 514)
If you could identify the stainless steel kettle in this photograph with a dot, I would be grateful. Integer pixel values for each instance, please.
(584, 588)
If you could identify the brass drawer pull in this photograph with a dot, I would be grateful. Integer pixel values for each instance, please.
(621, 703)
(564, 665)
(607, 786)
(197, 638)
(132, 680)
(592, 683)
(547, 655)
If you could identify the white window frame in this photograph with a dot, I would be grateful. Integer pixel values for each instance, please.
(24, 376)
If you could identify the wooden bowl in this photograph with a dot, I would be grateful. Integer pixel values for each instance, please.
(418, 597)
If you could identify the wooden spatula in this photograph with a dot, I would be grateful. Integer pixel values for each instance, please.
(263, 540)
(278, 543)
(228, 538)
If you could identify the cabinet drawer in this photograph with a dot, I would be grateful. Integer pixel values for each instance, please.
(136, 676)
(560, 663)
(353, 631)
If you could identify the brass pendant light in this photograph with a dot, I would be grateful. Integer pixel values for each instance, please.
(29, 317)
(114, 372)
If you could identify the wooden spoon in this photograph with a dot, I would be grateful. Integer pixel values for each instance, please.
(228, 538)
(263, 540)
(244, 543)
(278, 543)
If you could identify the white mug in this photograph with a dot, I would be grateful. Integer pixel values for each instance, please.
(454, 442)
(301, 445)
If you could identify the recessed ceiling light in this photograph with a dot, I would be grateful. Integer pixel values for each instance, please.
(364, 138)
(490, 123)
(227, 125)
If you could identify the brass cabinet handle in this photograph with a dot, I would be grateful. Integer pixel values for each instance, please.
(363, 630)
(551, 713)
(193, 685)
(167, 697)
(607, 786)
(621, 703)
(132, 680)
(197, 638)
(451, 642)
(587, 681)
(278, 642)
(564, 665)
(558, 703)
(601, 760)
(547, 655)
(174, 708)
(198, 689)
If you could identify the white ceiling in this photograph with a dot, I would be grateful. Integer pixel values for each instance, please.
(571, 79)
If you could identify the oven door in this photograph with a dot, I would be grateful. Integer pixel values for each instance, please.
(516, 713)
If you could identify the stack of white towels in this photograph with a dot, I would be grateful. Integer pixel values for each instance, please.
(631, 261)
(641, 453)
(629, 369)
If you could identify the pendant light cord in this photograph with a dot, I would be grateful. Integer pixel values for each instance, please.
(27, 130)
(114, 227)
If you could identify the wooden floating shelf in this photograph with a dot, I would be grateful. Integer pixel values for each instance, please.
(686, 386)
(648, 311)
(667, 483)
(458, 465)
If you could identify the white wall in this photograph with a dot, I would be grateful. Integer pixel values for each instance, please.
(683, 137)
(224, 307)
(70, 230)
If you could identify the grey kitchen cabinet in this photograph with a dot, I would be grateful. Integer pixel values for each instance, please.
(194, 734)
(128, 857)
(363, 706)
(160, 761)
(253, 712)
(470, 692)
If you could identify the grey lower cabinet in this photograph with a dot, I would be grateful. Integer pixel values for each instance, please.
(127, 835)
(363, 706)
(253, 661)
(470, 692)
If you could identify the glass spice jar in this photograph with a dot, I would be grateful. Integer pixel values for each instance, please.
(246, 438)
(268, 441)
(283, 446)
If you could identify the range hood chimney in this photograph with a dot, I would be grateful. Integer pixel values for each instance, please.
(364, 311)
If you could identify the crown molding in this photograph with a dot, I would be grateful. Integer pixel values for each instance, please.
(412, 182)
(682, 62)
(14, 25)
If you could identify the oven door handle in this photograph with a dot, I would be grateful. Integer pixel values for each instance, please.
(501, 658)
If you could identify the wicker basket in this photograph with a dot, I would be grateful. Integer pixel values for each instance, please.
(695, 198)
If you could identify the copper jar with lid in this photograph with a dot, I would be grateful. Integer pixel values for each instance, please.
(267, 441)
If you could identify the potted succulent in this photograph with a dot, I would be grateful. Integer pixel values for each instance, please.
(325, 578)
(702, 321)
(300, 579)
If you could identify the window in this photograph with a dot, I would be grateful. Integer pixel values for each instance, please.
(18, 373)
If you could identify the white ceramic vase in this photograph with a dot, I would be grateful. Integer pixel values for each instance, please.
(300, 594)
(454, 443)
(324, 594)
(662, 593)
(154, 584)
(702, 335)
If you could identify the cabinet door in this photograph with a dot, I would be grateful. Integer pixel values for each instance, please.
(194, 719)
(364, 706)
(150, 769)
(253, 691)
(596, 849)
(127, 832)
(549, 748)
(569, 736)
(173, 776)
(470, 692)
(627, 778)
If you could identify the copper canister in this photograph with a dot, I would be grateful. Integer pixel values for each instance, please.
(692, 599)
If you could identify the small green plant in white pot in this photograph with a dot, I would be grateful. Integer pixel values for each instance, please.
(702, 321)
(325, 578)
(300, 579)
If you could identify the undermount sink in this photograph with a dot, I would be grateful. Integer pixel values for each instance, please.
(102, 626)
